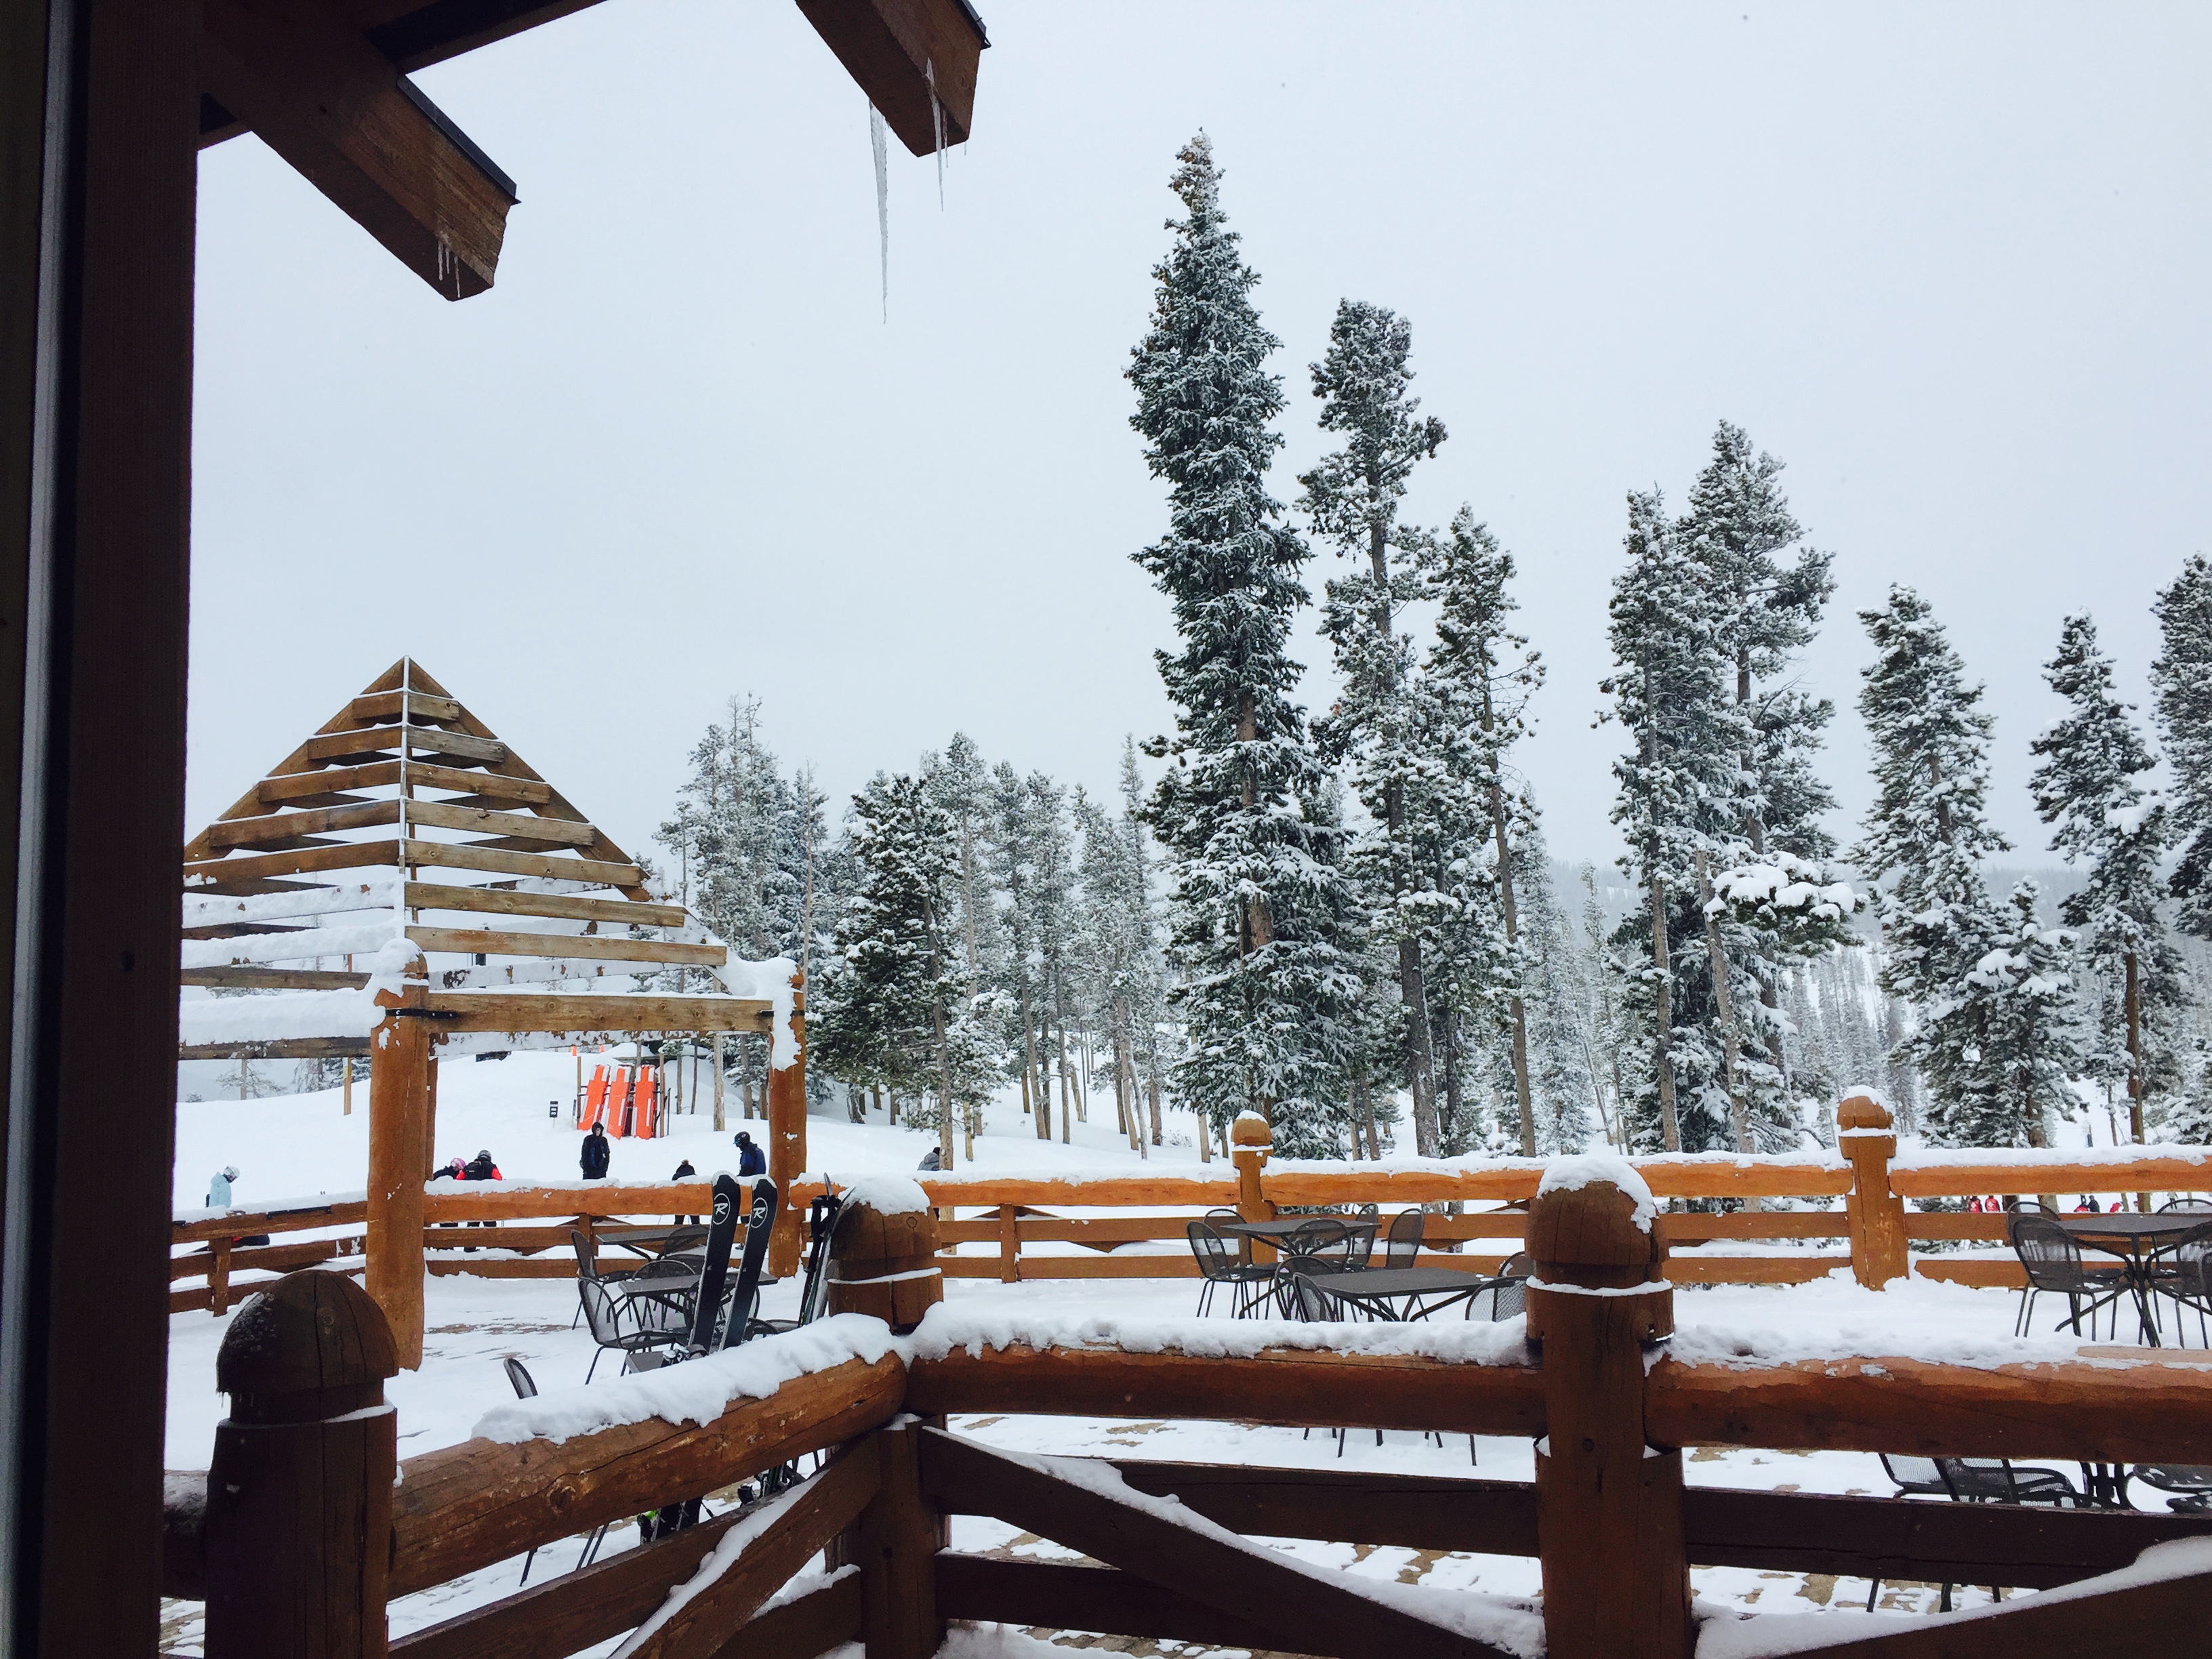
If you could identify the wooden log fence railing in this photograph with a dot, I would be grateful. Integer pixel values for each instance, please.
(1865, 1222)
(299, 1535)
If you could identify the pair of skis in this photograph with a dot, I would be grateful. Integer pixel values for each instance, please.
(714, 1278)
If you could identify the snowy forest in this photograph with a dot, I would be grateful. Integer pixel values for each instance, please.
(1348, 919)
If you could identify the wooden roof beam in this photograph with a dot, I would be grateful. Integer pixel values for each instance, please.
(899, 52)
(414, 34)
(328, 101)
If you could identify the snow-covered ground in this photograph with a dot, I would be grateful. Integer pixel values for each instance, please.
(296, 1146)
(288, 1146)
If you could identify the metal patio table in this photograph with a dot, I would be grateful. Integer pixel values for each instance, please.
(1283, 1232)
(2136, 1238)
(1401, 1295)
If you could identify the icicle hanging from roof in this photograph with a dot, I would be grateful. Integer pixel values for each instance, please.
(883, 202)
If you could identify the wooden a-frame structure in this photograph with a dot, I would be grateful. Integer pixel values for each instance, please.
(403, 847)
(404, 816)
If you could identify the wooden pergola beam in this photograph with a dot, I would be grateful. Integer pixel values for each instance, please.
(324, 98)
(902, 52)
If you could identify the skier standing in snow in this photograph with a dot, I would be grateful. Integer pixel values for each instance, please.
(751, 1161)
(596, 1153)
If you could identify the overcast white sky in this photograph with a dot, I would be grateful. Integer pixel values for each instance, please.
(1949, 263)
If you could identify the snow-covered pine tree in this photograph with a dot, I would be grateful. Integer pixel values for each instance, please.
(2090, 787)
(1253, 861)
(1117, 934)
(2030, 1040)
(1054, 897)
(1352, 497)
(1602, 1032)
(2181, 680)
(1012, 863)
(1559, 1086)
(1148, 981)
(895, 1011)
(959, 784)
(1768, 593)
(1474, 817)
(1927, 833)
(1672, 687)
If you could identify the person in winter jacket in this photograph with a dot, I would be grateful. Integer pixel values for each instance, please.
(596, 1153)
(751, 1161)
(480, 1168)
(219, 1187)
(932, 1159)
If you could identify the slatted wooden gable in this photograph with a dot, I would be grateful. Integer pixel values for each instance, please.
(404, 814)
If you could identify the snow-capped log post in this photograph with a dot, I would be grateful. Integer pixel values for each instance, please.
(882, 1261)
(786, 1137)
(1875, 1214)
(399, 1122)
(299, 1515)
(1608, 1506)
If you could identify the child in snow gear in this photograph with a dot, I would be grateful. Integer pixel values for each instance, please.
(685, 1172)
(932, 1159)
(219, 1187)
(480, 1168)
(596, 1153)
(751, 1161)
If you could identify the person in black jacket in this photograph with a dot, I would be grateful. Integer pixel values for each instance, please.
(596, 1152)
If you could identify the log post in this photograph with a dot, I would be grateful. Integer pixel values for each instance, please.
(895, 1543)
(399, 1107)
(1010, 1243)
(430, 1110)
(787, 1139)
(1875, 1214)
(882, 1261)
(299, 1515)
(1608, 1505)
(1253, 1140)
(218, 1275)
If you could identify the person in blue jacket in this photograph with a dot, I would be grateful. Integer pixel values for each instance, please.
(751, 1161)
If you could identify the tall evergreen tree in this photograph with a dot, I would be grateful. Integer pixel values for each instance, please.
(2181, 678)
(1352, 497)
(1256, 877)
(1927, 833)
(1768, 594)
(1474, 820)
(2090, 788)
(896, 1010)
(2030, 1047)
(1671, 688)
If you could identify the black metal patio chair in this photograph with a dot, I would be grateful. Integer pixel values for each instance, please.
(1914, 1477)
(2191, 1482)
(1997, 1480)
(2198, 1204)
(1219, 1265)
(615, 1323)
(2052, 1260)
(1402, 1246)
(2183, 1273)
